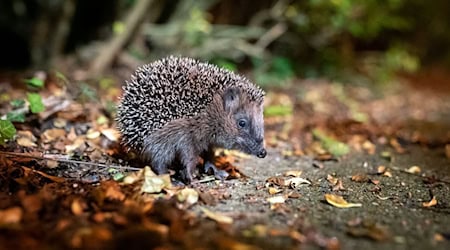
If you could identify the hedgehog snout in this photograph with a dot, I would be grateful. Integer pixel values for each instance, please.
(262, 153)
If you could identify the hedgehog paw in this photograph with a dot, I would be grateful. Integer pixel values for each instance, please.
(220, 174)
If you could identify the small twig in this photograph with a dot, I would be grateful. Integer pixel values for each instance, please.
(206, 179)
(66, 160)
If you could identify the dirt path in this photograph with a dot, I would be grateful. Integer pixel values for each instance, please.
(391, 217)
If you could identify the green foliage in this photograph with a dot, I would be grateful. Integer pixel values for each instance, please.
(7, 131)
(278, 110)
(17, 103)
(35, 82)
(333, 146)
(224, 63)
(273, 72)
(16, 116)
(87, 92)
(35, 102)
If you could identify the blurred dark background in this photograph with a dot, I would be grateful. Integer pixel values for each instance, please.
(275, 39)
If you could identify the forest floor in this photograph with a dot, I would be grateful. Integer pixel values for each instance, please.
(348, 167)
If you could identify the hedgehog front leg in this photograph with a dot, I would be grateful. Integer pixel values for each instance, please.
(189, 160)
(208, 165)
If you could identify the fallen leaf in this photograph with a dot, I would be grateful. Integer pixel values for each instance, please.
(387, 174)
(25, 142)
(276, 180)
(76, 207)
(370, 230)
(111, 134)
(60, 123)
(113, 192)
(220, 218)
(438, 237)
(396, 145)
(431, 203)
(332, 180)
(360, 178)
(333, 146)
(155, 183)
(276, 199)
(376, 182)
(414, 170)
(339, 186)
(79, 141)
(188, 196)
(92, 134)
(50, 135)
(295, 182)
(369, 147)
(12, 215)
(381, 169)
(294, 173)
(134, 177)
(273, 190)
(338, 201)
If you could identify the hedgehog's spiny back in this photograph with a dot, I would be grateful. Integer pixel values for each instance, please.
(169, 89)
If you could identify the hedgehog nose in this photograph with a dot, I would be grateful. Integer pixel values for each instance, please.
(262, 153)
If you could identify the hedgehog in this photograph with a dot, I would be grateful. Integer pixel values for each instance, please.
(177, 110)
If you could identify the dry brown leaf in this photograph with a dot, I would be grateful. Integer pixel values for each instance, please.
(381, 169)
(26, 139)
(72, 134)
(276, 180)
(92, 134)
(387, 174)
(111, 134)
(294, 173)
(79, 141)
(376, 182)
(220, 218)
(12, 215)
(338, 201)
(134, 176)
(431, 203)
(60, 123)
(155, 183)
(295, 182)
(396, 145)
(369, 147)
(50, 135)
(77, 207)
(339, 186)
(273, 190)
(25, 142)
(414, 170)
(113, 192)
(188, 196)
(276, 199)
(360, 178)
(438, 237)
(332, 180)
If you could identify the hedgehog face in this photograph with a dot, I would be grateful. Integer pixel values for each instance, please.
(246, 127)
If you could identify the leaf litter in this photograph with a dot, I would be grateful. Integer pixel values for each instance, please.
(72, 151)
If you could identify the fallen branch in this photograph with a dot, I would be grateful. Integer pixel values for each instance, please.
(60, 158)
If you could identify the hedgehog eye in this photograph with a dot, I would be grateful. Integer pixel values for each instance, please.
(242, 123)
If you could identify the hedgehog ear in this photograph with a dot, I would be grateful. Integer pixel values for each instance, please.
(231, 99)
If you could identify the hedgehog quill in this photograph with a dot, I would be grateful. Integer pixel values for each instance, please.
(178, 109)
